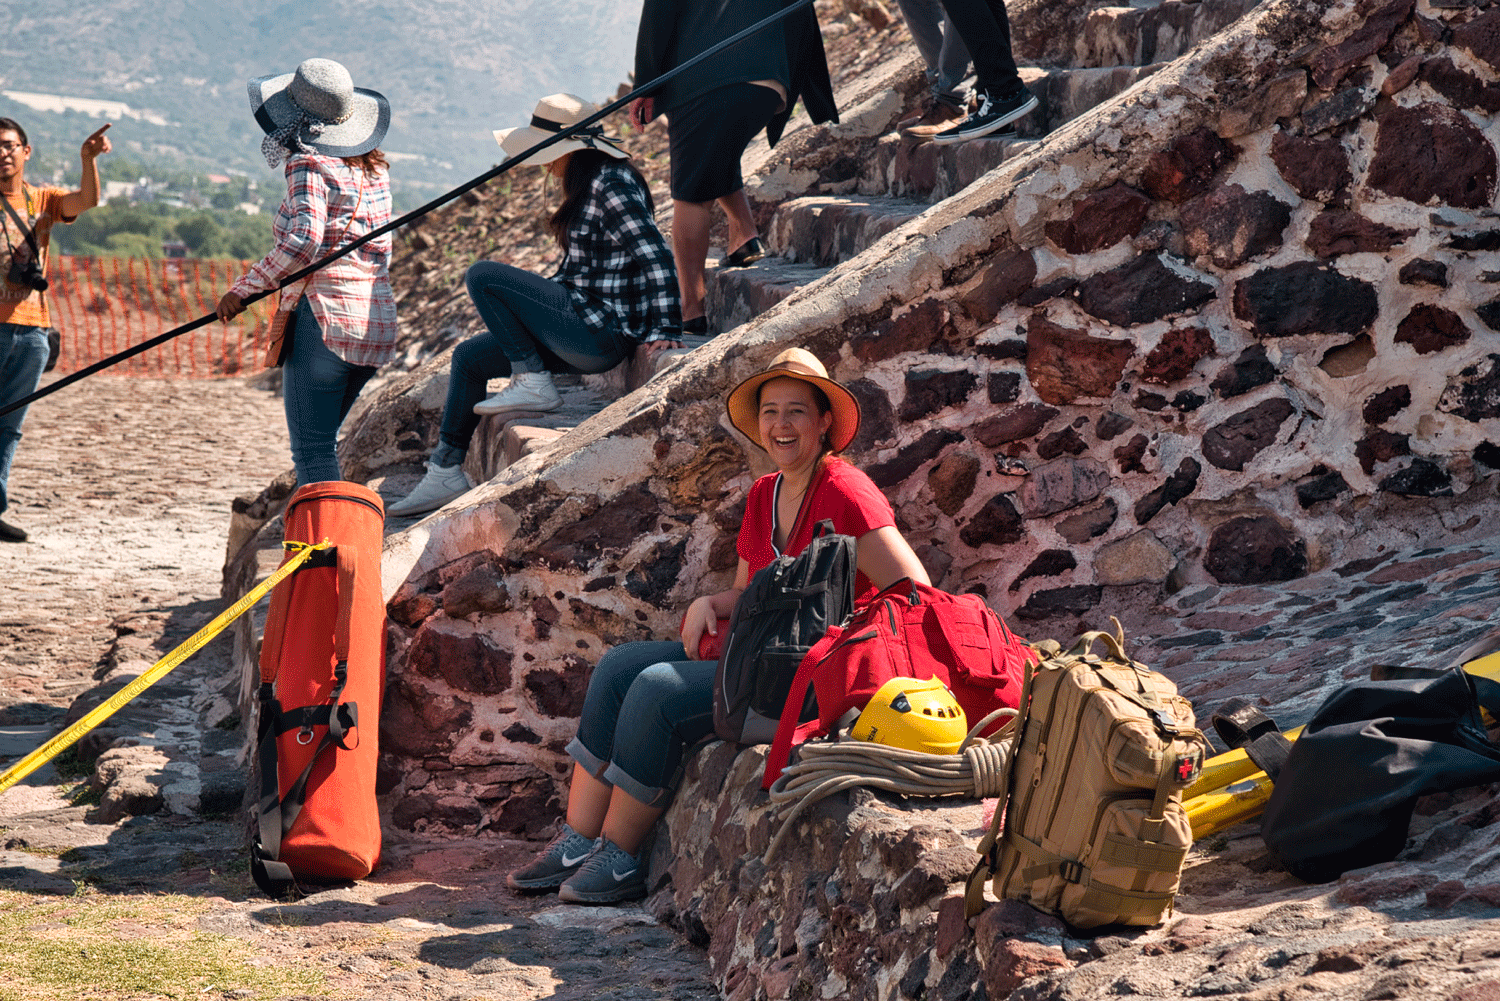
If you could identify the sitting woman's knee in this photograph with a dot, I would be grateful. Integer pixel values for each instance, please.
(481, 273)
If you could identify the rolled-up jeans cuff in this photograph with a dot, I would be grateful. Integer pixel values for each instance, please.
(590, 762)
(654, 796)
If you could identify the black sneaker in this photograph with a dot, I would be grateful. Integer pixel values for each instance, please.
(608, 875)
(992, 116)
(11, 533)
(553, 864)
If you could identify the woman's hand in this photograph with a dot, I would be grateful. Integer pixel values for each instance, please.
(701, 618)
(642, 112)
(655, 347)
(230, 306)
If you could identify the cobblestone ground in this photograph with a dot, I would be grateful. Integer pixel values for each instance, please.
(125, 485)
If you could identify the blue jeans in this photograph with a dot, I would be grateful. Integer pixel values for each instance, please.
(646, 705)
(531, 326)
(23, 355)
(942, 50)
(318, 388)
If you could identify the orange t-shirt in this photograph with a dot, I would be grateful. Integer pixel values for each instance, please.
(41, 208)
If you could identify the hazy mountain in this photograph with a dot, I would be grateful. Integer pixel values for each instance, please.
(453, 70)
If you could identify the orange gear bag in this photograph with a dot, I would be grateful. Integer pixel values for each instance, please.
(322, 672)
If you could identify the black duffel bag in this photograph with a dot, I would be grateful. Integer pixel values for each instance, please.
(1345, 795)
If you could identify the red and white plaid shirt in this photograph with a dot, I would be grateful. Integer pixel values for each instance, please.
(330, 204)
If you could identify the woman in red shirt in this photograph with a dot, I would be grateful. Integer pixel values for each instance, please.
(648, 703)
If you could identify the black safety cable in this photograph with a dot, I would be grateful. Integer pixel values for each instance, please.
(416, 213)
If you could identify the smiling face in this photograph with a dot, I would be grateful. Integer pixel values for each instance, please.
(13, 154)
(792, 423)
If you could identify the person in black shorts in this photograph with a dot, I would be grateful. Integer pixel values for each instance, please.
(713, 111)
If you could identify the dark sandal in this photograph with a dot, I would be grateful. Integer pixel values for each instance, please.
(748, 253)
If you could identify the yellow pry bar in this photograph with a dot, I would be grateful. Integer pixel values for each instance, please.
(159, 670)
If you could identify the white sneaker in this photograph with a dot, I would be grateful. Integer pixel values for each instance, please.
(531, 391)
(438, 487)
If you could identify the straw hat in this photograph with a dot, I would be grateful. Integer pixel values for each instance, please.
(553, 114)
(319, 108)
(795, 363)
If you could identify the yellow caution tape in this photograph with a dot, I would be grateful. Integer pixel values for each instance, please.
(159, 670)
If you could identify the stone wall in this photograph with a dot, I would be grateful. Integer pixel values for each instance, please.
(1227, 328)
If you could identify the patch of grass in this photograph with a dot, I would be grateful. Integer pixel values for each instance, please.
(95, 946)
(72, 766)
(82, 794)
(1216, 843)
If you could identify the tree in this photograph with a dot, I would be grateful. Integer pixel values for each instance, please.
(201, 233)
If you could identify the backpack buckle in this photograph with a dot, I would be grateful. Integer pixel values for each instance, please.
(1165, 723)
(1070, 870)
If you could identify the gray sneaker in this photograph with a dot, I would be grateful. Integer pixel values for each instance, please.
(553, 864)
(609, 874)
(441, 485)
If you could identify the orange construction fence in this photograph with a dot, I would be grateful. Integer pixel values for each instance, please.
(104, 305)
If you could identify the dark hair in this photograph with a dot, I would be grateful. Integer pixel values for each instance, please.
(11, 125)
(583, 166)
(368, 162)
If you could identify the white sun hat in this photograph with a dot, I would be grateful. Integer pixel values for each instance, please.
(553, 114)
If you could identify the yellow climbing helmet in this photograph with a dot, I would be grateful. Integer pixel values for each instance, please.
(915, 714)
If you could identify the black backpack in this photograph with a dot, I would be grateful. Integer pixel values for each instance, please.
(787, 608)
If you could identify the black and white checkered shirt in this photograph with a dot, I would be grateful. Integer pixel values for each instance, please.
(617, 264)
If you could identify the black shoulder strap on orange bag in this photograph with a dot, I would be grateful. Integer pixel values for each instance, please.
(276, 814)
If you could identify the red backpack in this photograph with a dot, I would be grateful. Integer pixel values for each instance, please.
(909, 630)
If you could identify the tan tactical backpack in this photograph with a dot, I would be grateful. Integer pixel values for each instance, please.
(1094, 829)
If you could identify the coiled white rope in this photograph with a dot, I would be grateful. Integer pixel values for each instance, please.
(980, 768)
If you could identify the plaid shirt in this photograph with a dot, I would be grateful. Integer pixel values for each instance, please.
(330, 204)
(617, 265)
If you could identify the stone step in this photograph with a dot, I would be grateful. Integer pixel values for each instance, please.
(930, 172)
(1063, 95)
(502, 439)
(830, 229)
(737, 295)
(900, 169)
(1138, 36)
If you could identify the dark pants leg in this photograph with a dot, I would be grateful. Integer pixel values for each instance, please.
(23, 356)
(531, 326)
(319, 388)
(985, 29)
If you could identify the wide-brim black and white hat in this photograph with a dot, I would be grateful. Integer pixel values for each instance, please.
(319, 108)
(553, 114)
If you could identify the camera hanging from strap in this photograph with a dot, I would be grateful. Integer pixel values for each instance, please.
(28, 273)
